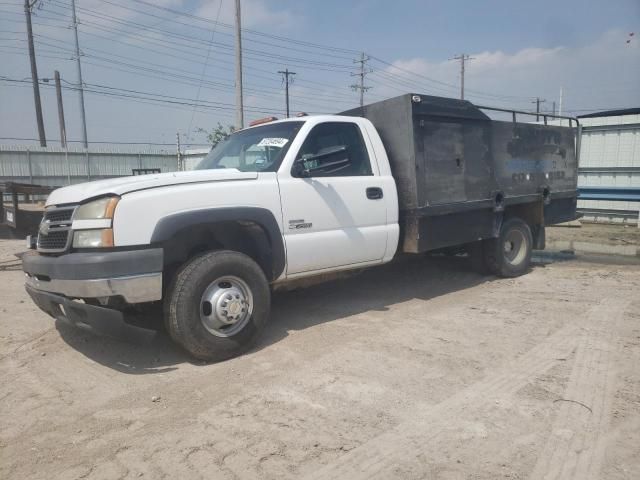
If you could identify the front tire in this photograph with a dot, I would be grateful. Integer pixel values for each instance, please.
(509, 255)
(217, 305)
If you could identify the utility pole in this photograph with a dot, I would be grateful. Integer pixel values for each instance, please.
(28, 5)
(553, 109)
(560, 102)
(285, 77)
(538, 101)
(463, 58)
(80, 83)
(362, 73)
(178, 152)
(239, 102)
(63, 128)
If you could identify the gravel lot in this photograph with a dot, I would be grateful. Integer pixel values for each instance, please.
(420, 369)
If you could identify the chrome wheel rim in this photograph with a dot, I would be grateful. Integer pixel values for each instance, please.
(226, 306)
(515, 247)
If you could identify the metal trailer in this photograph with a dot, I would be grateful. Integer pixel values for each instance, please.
(459, 172)
(23, 218)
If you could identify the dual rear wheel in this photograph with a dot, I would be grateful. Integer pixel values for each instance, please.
(508, 255)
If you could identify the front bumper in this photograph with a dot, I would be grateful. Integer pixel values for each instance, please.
(134, 275)
(99, 320)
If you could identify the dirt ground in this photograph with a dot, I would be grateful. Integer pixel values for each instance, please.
(419, 369)
(596, 233)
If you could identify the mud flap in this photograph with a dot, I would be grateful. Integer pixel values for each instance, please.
(539, 238)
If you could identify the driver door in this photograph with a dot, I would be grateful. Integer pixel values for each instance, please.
(334, 217)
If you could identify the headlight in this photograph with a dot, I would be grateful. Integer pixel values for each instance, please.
(87, 217)
(98, 209)
(93, 238)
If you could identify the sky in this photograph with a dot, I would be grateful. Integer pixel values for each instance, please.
(157, 69)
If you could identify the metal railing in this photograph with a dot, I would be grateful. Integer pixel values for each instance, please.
(614, 194)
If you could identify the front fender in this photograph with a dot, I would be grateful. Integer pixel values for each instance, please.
(170, 225)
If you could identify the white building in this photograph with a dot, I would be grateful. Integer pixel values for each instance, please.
(192, 157)
(610, 165)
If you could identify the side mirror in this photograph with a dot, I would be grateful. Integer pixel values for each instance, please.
(328, 161)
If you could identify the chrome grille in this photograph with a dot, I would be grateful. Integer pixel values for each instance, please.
(54, 241)
(59, 214)
(54, 234)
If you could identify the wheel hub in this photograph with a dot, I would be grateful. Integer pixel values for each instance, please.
(226, 306)
(231, 305)
(515, 247)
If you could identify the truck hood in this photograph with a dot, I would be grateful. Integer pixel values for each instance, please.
(122, 185)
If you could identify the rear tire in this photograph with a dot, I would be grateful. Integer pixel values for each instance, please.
(217, 305)
(509, 255)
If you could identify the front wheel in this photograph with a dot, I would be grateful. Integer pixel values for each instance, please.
(509, 255)
(217, 305)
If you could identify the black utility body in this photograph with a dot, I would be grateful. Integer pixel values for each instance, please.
(459, 172)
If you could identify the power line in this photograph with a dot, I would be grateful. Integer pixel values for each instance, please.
(344, 97)
(390, 79)
(186, 79)
(251, 31)
(225, 110)
(111, 142)
(182, 57)
(259, 55)
(394, 76)
(216, 23)
(444, 84)
(151, 97)
(136, 94)
(191, 39)
(21, 52)
(158, 103)
(171, 46)
(204, 69)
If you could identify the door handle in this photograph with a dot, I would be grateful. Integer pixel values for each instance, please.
(374, 193)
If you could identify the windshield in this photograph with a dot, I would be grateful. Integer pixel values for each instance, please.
(258, 149)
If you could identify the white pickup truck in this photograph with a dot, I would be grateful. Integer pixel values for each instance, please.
(296, 198)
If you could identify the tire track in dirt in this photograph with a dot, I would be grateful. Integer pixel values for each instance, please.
(574, 449)
(407, 441)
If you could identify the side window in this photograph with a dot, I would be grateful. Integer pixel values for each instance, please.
(335, 149)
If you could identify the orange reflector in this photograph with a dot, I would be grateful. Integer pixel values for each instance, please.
(107, 237)
(111, 207)
(260, 121)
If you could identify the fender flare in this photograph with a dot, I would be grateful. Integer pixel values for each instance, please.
(168, 226)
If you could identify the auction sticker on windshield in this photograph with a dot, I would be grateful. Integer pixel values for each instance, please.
(273, 142)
